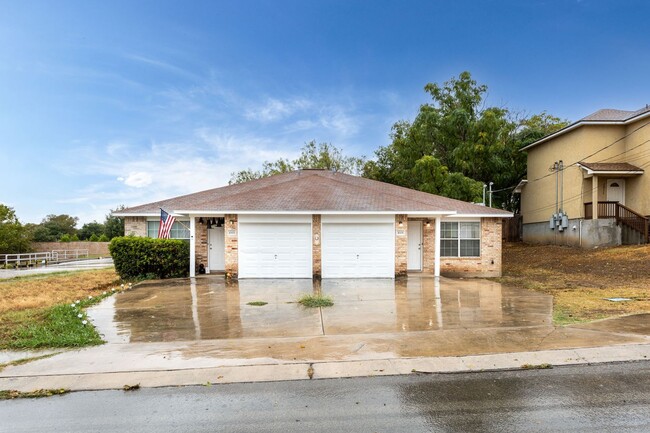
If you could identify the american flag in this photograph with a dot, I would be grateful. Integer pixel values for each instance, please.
(166, 223)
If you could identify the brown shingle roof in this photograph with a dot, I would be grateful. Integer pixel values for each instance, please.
(610, 166)
(612, 115)
(313, 190)
(606, 115)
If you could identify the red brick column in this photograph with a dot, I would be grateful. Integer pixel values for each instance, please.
(316, 242)
(231, 233)
(401, 245)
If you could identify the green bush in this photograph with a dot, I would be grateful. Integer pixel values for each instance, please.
(93, 238)
(103, 238)
(136, 257)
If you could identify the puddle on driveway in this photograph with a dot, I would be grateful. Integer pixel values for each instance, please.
(211, 308)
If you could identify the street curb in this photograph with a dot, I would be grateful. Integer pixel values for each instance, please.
(306, 370)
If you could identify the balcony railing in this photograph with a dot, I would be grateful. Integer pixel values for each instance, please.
(623, 215)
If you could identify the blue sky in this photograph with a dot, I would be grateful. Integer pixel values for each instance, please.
(125, 102)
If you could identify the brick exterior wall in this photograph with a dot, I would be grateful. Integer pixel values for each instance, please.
(316, 246)
(401, 245)
(485, 266)
(232, 246)
(135, 226)
(488, 265)
(201, 245)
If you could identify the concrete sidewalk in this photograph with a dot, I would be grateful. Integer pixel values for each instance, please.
(270, 370)
(175, 363)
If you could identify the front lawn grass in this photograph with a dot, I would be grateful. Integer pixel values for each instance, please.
(37, 311)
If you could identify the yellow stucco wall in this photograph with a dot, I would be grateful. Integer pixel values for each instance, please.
(590, 143)
(637, 146)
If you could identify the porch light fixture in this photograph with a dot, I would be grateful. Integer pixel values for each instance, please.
(401, 224)
(200, 220)
(428, 223)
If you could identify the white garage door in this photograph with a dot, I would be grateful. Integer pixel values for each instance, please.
(358, 249)
(274, 249)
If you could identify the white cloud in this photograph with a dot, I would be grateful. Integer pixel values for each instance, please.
(331, 120)
(274, 109)
(219, 132)
(137, 179)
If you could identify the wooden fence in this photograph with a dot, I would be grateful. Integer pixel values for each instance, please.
(512, 229)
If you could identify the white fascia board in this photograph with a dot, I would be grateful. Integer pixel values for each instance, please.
(503, 215)
(585, 122)
(520, 186)
(591, 172)
(136, 214)
(313, 212)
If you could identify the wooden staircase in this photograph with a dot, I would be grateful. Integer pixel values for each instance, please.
(623, 215)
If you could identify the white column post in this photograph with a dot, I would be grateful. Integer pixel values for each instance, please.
(192, 246)
(436, 253)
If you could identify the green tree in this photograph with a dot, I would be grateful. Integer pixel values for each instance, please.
(90, 229)
(14, 237)
(114, 226)
(470, 144)
(323, 156)
(53, 227)
(93, 238)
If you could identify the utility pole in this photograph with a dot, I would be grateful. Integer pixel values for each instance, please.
(491, 183)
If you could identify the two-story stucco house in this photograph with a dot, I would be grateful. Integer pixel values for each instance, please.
(587, 183)
(322, 224)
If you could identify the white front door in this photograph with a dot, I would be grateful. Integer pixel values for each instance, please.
(616, 190)
(414, 258)
(363, 249)
(216, 249)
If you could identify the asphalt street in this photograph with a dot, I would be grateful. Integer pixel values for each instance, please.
(602, 398)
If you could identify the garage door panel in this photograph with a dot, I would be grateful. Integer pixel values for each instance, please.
(274, 250)
(358, 250)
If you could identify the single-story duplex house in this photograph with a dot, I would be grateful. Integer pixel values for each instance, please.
(323, 224)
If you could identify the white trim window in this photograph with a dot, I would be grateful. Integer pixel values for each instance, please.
(180, 229)
(460, 239)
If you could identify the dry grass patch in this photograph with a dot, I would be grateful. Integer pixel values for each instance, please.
(580, 280)
(37, 310)
(46, 290)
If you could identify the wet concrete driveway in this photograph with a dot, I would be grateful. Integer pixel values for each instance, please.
(210, 308)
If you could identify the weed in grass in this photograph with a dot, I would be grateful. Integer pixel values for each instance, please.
(131, 387)
(536, 366)
(26, 360)
(315, 301)
(12, 393)
(257, 303)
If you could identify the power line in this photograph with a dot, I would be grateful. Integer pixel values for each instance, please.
(594, 153)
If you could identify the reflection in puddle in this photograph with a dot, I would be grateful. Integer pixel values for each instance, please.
(211, 308)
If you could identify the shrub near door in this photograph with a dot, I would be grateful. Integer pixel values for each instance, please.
(136, 257)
